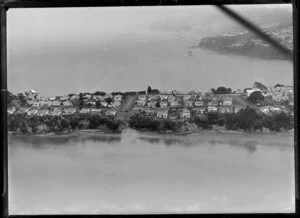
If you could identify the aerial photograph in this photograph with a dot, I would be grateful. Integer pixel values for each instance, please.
(150, 110)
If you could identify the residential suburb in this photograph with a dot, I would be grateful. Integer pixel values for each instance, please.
(259, 108)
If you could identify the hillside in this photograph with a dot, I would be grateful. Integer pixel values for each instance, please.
(248, 44)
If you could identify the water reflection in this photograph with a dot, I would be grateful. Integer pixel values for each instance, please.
(166, 141)
(188, 141)
(63, 140)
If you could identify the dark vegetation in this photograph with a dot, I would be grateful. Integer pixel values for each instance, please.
(256, 97)
(21, 123)
(221, 90)
(246, 119)
(141, 121)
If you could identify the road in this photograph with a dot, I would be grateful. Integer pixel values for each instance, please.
(244, 102)
(125, 111)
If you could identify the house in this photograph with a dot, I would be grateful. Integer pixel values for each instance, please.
(151, 104)
(84, 111)
(199, 103)
(142, 97)
(152, 97)
(64, 98)
(223, 109)
(87, 96)
(162, 114)
(163, 104)
(67, 103)
(116, 104)
(237, 108)
(199, 110)
(239, 91)
(90, 102)
(185, 113)
(23, 110)
(227, 101)
(36, 104)
(31, 112)
(163, 97)
(214, 102)
(171, 98)
(212, 108)
(55, 103)
(52, 98)
(265, 110)
(98, 97)
(117, 97)
(188, 104)
(103, 103)
(70, 110)
(174, 104)
(141, 102)
(11, 110)
(56, 112)
(186, 97)
(43, 113)
(48, 103)
(108, 95)
(95, 111)
(74, 97)
(150, 112)
(110, 113)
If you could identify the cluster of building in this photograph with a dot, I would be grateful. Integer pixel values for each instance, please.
(176, 106)
(59, 105)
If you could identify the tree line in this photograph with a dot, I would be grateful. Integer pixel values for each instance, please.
(33, 124)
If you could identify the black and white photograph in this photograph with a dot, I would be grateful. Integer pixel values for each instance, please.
(150, 110)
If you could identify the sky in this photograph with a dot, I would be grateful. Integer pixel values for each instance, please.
(58, 50)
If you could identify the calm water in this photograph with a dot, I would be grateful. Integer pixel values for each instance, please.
(149, 173)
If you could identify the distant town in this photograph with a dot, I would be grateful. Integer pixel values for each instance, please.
(152, 103)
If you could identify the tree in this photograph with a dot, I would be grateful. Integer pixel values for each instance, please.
(149, 90)
(155, 91)
(109, 100)
(80, 100)
(99, 93)
(256, 96)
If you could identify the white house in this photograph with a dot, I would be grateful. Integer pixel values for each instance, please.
(118, 97)
(185, 113)
(141, 102)
(227, 101)
(11, 110)
(70, 110)
(67, 103)
(103, 103)
(142, 97)
(151, 104)
(95, 111)
(212, 109)
(163, 104)
(162, 114)
(55, 103)
(31, 112)
(84, 111)
(188, 104)
(199, 103)
(110, 113)
(55, 112)
(174, 103)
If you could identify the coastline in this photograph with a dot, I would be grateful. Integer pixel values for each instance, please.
(177, 133)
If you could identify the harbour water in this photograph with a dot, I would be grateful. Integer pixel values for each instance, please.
(134, 172)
